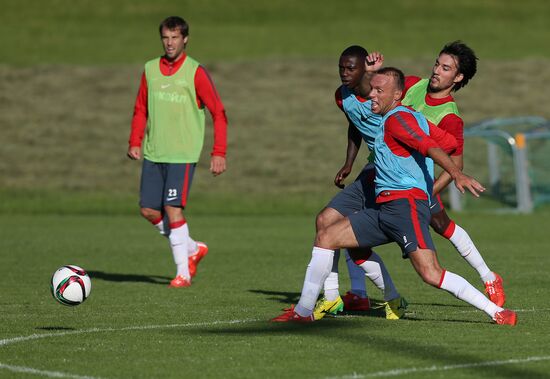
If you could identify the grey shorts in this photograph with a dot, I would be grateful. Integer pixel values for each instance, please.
(357, 195)
(404, 221)
(165, 184)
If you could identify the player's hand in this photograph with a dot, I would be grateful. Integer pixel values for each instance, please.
(217, 165)
(374, 61)
(341, 175)
(134, 152)
(463, 182)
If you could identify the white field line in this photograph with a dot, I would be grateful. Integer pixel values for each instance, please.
(412, 370)
(473, 310)
(9, 341)
(51, 374)
(57, 374)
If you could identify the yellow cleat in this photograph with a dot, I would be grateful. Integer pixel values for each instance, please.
(395, 309)
(324, 306)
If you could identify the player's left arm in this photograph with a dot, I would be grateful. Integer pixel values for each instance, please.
(207, 95)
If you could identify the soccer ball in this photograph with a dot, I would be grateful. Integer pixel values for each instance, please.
(70, 285)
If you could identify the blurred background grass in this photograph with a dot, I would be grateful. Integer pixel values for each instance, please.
(69, 73)
(105, 32)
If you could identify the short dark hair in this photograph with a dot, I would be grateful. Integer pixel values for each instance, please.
(467, 65)
(355, 51)
(175, 22)
(395, 73)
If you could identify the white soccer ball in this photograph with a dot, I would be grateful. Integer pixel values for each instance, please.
(70, 285)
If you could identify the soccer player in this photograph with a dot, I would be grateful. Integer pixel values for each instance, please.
(403, 187)
(455, 66)
(351, 98)
(168, 128)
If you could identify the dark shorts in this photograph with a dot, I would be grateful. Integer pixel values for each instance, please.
(165, 184)
(356, 196)
(436, 205)
(404, 221)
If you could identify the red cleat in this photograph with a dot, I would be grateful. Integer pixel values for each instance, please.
(353, 302)
(495, 291)
(290, 316)
(196, 258)
(179, 282)
(506, 317)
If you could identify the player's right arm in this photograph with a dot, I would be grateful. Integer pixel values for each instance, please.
(354, 143)
(139, 121)
(373, 62)
(406, 130)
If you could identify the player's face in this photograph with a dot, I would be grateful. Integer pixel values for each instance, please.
(351, 71)
(384, 93)
(444, 74)
(173, 43)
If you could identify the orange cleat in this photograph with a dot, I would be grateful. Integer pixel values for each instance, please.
(353, 302)
(290, 316)
(196, 258)
(495, 291)
(506, 317)
(179, 282)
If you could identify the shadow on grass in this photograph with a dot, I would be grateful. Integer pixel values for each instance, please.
(113, 277)
(266, 327)
(436, 356)
(279, 296)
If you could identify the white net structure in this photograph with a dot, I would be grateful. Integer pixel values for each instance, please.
(511, 157)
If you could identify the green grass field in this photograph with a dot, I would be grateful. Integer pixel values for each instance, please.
(134, 326)
(69, 73)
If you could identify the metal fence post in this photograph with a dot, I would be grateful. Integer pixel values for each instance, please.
(494, 168)
(523, 188)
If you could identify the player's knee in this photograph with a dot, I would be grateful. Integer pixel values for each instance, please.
(360, 255)
(174, 213)
(440, 222)
(327, 217)
(323, 239)
(150, 214)
(322, 220)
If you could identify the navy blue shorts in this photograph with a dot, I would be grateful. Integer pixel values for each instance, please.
(357, 195)
(404, 221)
(436, 205)
(165, 184)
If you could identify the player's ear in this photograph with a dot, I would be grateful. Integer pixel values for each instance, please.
(397, 95)
(458, 78)
(185, 39)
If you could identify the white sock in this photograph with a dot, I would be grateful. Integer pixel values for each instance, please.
(160, 226)
(178, 243)
(192, 247)
(316, 273)
(465, 246)
(331, 286)
(357, 277)
(463, 290)
(376, 271)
